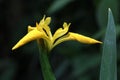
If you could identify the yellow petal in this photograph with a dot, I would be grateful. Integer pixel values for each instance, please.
(47, 30)
(60, 32)
(43, 20)
(77, 37)
(39, 28)
(83, 39)
(32, 35)
(30, 28)
(44, 26)
(47, 20)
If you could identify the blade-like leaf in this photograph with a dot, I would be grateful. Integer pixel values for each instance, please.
(57, 5)
(102, 10)
(108, 64)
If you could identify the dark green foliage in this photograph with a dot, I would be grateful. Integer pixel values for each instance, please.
(70, 60)
(108, 69)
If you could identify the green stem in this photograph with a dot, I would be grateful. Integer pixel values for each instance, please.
(45, 65)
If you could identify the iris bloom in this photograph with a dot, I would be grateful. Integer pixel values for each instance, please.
(43, 35)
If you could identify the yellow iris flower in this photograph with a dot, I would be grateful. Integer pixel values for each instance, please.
(43, 35)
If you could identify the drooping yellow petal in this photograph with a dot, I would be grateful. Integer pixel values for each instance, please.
(78, 37)
(61, 31)
(32, 35)
(83, 39)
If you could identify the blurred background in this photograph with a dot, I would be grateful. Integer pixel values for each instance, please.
(70, 60)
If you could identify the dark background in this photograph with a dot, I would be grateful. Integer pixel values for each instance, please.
(70, 60)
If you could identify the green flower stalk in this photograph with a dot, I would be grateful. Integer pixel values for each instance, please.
(47, 41)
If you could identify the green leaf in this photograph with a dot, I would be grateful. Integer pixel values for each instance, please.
(7, 69)
(108, 69)
(60, 70)
(100, 33)
(57, 5)
(102, 10)
(82, 64)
